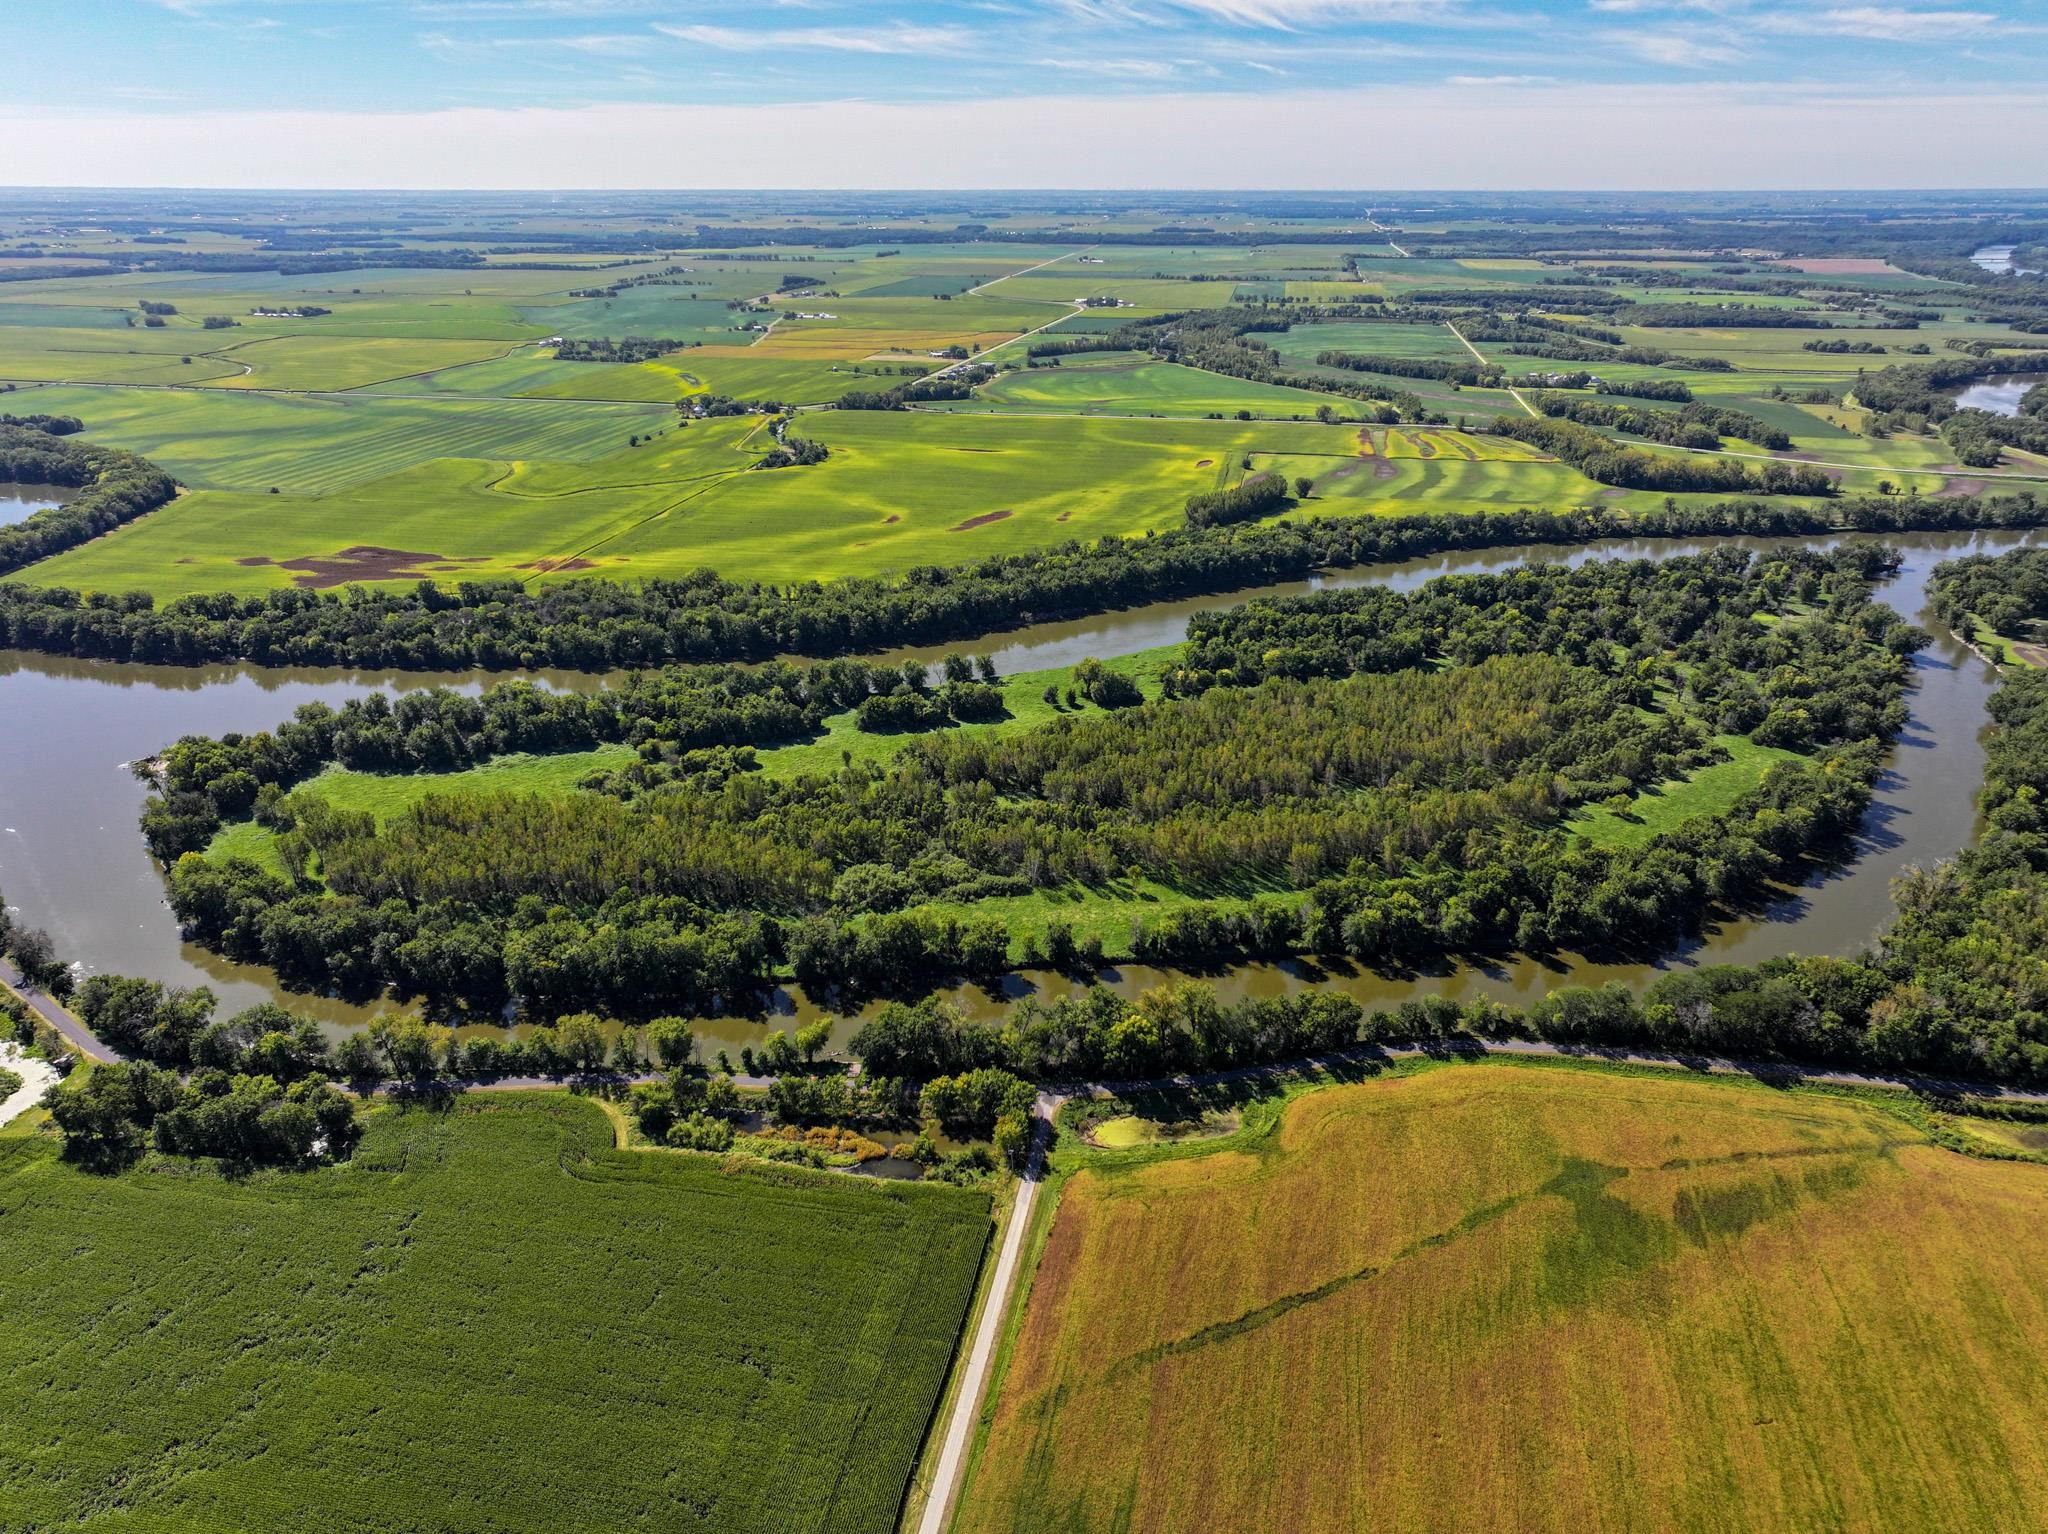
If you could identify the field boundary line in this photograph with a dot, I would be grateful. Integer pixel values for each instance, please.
(1516, 393)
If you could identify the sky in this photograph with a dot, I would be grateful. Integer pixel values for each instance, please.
(1313, 94)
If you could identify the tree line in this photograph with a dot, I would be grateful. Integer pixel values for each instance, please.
(1698, 425)
(117, 488)
(1601, 459)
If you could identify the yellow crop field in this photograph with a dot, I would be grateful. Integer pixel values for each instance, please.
(1500, 1297)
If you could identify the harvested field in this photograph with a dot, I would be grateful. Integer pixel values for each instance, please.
(1491, 1297)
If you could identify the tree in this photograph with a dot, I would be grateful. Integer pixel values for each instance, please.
(356, 1058)
(1302, 485)
(813, 1037)
(105, 1118)
(627, 1055)
(580, 1038)
(672, 1042)
(413, 1048)
(1012, 1139)
(777, 1054)
(36, 956)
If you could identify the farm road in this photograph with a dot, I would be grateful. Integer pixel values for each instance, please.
(974, 1367)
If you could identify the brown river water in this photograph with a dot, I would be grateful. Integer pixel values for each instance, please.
(72, 860)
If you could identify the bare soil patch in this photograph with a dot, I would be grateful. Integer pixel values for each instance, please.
(363, 562)
(981, 521)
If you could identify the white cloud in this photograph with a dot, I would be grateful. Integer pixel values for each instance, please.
(606, 44)
(1887, 23)
(1593, 137)
(900, 38)
(1677, 47)
(1472, 80)
(1115, 69)
(1289, 15)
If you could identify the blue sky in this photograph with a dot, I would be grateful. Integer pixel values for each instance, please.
(138, 77)
(385, 55)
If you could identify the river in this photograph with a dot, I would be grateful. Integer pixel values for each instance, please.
(1998, 258)
(72, 860)
(20, 502)
(2000, 394)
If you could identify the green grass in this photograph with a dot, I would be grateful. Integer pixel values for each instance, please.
(1710, 791)
(490, 1320)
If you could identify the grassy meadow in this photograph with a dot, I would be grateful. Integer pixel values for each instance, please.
(1535, 1298)
(490, 1319)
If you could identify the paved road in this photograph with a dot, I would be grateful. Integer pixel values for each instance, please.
(53, 1012)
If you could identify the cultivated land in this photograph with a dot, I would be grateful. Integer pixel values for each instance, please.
(1530, 1298)
(489, 1319)
(401, 421)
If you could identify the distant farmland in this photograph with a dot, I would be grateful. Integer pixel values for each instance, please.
(490, 1320)
(1499, 1298)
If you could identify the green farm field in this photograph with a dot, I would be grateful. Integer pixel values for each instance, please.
(451, 518)
(490, 1319)
(1537, 1298)
(312, 444)
(1127, 383)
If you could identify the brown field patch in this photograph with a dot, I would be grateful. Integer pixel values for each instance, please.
(981, 521)
(1383, 468)
(1491, 1297)
(566, 564)
(362, 562)
(1843, 266)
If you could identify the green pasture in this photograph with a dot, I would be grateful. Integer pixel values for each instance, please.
(899, 489)
(1300, 345)
(490, 1319)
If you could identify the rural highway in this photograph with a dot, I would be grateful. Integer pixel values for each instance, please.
(1383, 229)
